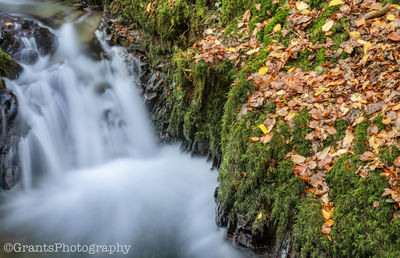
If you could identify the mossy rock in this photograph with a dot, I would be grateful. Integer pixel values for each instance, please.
(8, 67)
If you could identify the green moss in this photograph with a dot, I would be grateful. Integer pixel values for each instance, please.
(279, 18)
(389, 154)
(361, 230)
(287, 195)
(316, 26)
(332, 140)
(360, 137)
(317, 3)
(308, 240)
(320, 56)
(300, 131)
(178, 25)
(8, 67)
(378, 122)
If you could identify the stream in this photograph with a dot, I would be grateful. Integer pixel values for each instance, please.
(95, 183)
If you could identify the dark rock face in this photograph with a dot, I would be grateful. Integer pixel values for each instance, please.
(25, 40)
(9, 136)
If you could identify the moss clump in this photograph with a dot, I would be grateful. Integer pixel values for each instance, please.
(308, 240)
(361, 230)
(360, 137)
(316, 26)
(378, 122)
(389, 154)
(8, 67)
(256, 184)
(178, 24)
(300, 131)
(279, 17)
(340, 127)
(197, 104)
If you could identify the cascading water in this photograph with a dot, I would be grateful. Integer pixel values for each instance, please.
(92, 172)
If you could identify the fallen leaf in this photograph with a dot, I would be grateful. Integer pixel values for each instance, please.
(266, 138)
(327, 213)
(297, 159)
(263, 128)
(301, 6)
(254, 139)
(246, 15)
(355, 34)
(396, 162)
(328, 25)
(263, 70)
(277, 27)
(394, 36)
(348, 139)
(329, 223)
(375, 204)
(335, 2)
(390, 17)
(326, 230)
(387, 191)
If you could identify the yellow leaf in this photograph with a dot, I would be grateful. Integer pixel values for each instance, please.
(263, 128)
(254, 139)
(328, 25)
(366, 46)
(390, 17)
(396, 6)
(290, 70)
(148, 9)
(320, 91)
(259, 216)
(362, 42)
(301, 5)
(335, 2)
(329, 223)
(277, 27)
(231, 49)
(365, 84)
(355, 34)
(9, 24)
(263, 70)
(327, 213)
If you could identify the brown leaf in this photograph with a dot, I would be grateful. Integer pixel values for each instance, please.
(326, 230)
(246, 15)
(375, 204)
(298, 159)
(348, 139)
(394, 36)
(396, 162)
(387, 191)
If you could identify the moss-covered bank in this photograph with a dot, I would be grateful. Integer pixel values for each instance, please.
(261, 202)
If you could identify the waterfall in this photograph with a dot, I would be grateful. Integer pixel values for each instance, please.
(91, 169)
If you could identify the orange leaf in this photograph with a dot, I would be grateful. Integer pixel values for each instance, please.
(394, 36)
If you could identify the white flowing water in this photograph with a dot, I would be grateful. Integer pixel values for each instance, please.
(92, 171)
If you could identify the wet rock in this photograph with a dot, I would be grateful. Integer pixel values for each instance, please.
(25, 40)
(9, 138)
(45, 41)
(8, 106)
